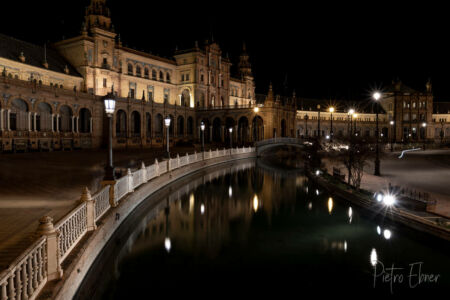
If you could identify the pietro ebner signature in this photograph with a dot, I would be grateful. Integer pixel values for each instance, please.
(412, 276)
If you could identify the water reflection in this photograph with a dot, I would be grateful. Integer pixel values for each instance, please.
(248, 221)
(373, 257)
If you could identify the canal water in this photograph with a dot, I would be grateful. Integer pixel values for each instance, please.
(256, 228)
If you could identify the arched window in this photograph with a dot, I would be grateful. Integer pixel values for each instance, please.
(161, 76)
(154, 74)
(18, 117)
(159, 125)
(44, 117)
(130, 69)
(185, 98)
(138, 71)
(121, 123)
(65, 119)
(180, 125)
(168, 77)
(135, 124)
(190, 126)
(85, 120)
(146, 74)
(148, 125)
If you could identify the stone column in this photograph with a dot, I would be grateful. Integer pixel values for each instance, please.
(77, 123)
(35, 122)
(90, 125)
(57, 123)
(73, 124)
(236, 134)
(210, 133)
(223, 134)
(29, 121)
(1, 119)
(47, 229)
(90, 209)
(53, 123)
(8, 120)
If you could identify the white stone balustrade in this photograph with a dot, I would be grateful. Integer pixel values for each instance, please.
(101, 202)
(41, 262)
(71, 229)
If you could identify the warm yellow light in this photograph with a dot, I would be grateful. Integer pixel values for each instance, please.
(331, 109)
(255, 203)
(191, 203)
(256, 109)
(330, 205)
(355, 116)
(351, 111)
(376, 95)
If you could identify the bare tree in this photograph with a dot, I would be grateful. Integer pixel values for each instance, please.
(354, 159)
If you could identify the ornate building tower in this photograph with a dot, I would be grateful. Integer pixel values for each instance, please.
(94, 53)
(244, 66)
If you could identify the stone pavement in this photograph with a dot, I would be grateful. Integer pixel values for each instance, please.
(424, 171)
(50, 183)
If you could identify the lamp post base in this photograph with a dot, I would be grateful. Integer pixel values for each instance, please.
(377, 167)
(109, 173)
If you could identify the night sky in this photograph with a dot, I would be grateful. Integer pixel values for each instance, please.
(332, 52)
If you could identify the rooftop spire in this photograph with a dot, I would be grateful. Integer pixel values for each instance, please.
(244, 66)
(98, 15)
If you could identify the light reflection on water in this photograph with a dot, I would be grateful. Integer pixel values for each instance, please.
(229, 227)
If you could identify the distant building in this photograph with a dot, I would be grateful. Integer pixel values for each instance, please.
(51, 97)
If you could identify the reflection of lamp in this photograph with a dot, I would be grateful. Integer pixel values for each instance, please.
(373, 257)
(330, 205)
(202, 208)
(167, 242)
(255, 203)
(230, 191)
(167, 123)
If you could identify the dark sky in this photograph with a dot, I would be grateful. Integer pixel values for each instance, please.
(338, 51)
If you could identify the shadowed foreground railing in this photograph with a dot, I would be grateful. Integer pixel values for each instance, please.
(41, 262)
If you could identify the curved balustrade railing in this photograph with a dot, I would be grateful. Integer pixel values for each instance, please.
(27, 275)
(71, 229)
(121, 188)
(101, 200)
(279, 140)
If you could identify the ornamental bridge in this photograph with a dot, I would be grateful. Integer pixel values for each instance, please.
(267, 144)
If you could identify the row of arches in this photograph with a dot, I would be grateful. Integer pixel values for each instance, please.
(243, 130)
(136, 70)
(19, 117)
(152, 128)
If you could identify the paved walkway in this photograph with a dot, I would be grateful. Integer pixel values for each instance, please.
(424, 171)
(50, 183)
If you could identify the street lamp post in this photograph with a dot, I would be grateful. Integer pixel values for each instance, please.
(392, 135)
(355, 116)
(167, 124)
(318, 120)
(351, 111)
(306, 125)
(231, 138)
(202, 127)
(376, 97)
(110, 105)
(424, 126)
(331, 109)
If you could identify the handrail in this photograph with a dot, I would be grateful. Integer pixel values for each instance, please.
(28, 273)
